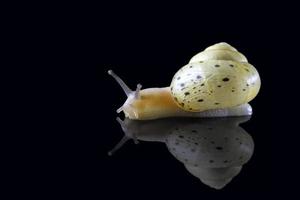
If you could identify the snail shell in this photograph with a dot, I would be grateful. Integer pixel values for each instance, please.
(218, 77)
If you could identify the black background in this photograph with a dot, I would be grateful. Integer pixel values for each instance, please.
(147, 44)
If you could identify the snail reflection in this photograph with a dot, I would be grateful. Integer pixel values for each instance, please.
(213, 149)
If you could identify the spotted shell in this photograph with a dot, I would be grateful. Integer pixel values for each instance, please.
(218, 77)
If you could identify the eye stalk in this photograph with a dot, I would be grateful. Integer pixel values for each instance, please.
(123, 85)
(126, 89)
(137, 91)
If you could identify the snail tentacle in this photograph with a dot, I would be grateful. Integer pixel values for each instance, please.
(137, 91)
(120, 109)
(123, 85)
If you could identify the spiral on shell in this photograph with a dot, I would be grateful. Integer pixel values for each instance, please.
(218, 77)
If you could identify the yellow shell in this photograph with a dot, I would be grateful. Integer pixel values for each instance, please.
(218, 77)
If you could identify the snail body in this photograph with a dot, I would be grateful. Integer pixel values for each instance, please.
(216, 82)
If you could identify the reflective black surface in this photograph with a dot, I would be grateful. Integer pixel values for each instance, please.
(197, 155)
(212, 149)
(187, 155)
(148, 47)
(149, 166)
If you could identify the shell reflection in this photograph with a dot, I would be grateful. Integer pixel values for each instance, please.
(213, 150)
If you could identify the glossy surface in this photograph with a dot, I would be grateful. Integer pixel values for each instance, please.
(143, 43)
(213, 150)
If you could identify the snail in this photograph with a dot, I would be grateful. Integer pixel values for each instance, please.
(213, 149)
(217, 82)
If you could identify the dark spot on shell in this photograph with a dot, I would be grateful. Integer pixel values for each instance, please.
(217, 65)
(225, 161)
(244, 89)
(212, 142)
(232, 90)
(176, 143)
(202, 84)
(217, 103)
(200, 61)
(171, 88)
(186, 93)
(182, 104)
(241, 157)
(194, 87)
(196, 143)
(190, 108)
(219, 148)
(231, 65)
(225, 79)
(194, 131)
(175, 98)
(200, 100)
(247, 70)
(198, 77)
(191, 66)
(181, 136)
(210, 128)
(236, 138)
(192, 150)
(211, 161)
(205, 138)
(188, 74)
(182, 84)
(247, 84)
(178, 78)
(219, 86)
